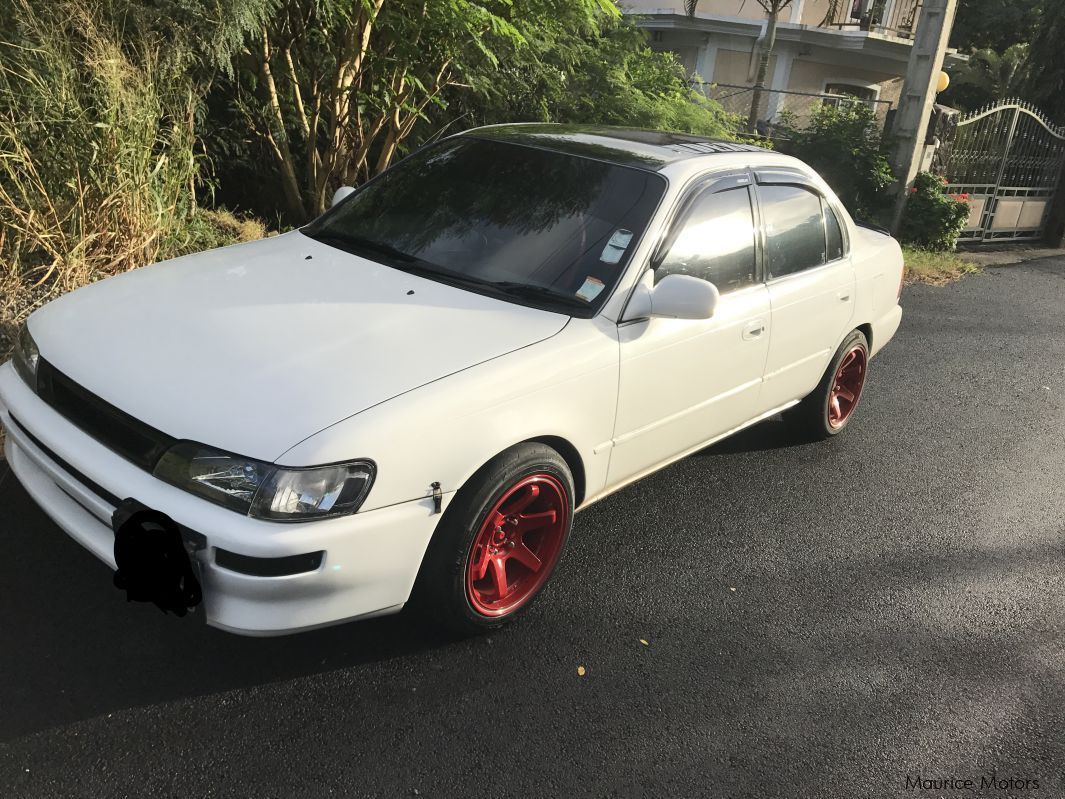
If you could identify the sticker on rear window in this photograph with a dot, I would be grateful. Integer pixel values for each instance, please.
(614, 250)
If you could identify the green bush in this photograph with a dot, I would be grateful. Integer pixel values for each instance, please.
(933, 220)
(844, 144)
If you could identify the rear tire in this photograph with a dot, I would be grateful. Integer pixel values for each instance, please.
(499, 540)
(827, 410)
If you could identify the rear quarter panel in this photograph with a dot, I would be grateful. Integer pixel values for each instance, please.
(878, 267)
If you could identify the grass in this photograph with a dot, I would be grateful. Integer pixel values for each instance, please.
(936, 268)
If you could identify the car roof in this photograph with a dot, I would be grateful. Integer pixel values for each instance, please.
(633, 147)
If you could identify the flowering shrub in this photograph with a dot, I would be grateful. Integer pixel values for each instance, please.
(933, 219)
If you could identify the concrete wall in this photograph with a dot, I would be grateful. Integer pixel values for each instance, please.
(814, 11)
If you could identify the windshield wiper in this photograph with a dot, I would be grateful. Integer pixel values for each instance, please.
(354, 244)
(406, 262)
(530, 291)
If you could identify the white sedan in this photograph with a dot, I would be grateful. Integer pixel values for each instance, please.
(409, 398)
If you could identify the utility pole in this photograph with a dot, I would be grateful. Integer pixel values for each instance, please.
(918, 96)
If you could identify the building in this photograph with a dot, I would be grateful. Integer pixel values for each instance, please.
(857, 48)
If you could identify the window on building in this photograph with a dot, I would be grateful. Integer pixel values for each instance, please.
(849, 93)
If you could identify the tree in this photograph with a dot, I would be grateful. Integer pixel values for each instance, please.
(844, 144)
(603, 73)
(334, 89)
(773, 9)
(996, 76)
(334, 92)
(1046, 80)
(996, 24)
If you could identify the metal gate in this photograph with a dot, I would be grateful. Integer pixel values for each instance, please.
(1006, 160)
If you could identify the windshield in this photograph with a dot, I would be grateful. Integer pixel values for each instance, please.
(541, 228)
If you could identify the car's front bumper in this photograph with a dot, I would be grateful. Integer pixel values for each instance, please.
(371, 559)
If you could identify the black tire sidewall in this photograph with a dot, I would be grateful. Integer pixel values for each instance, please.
(441, 586)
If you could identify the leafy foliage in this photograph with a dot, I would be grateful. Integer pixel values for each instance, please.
(990, 76)
(997, 75)
(995, 24)
(334, 92)
(844, 144)
(1046, 80)
(933, 220)
(1015, 50)
(595, 69)
(194, 38)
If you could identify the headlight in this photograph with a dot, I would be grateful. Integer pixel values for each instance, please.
(263, 490)
(26, 357)
(292, 494)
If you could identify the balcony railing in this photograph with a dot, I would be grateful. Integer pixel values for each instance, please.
(892, 17)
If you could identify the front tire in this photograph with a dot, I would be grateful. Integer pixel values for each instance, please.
(499, 540)
(827, 411)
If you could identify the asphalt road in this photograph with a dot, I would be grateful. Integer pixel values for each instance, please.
(823, 621)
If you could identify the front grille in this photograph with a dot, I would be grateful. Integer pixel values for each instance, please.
(135, 441)
(96, 488)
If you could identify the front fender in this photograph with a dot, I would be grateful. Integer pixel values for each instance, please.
(565, 386)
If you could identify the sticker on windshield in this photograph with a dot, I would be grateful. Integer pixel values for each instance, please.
(614, 250)
(591, 288)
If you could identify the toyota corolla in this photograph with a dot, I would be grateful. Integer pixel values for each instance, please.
(410, 397)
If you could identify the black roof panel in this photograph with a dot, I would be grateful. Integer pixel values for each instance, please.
(647, 149)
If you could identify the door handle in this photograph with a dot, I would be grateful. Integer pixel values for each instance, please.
(753, 330)
(843, 296)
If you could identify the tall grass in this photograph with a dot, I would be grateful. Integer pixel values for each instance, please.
(97, 164)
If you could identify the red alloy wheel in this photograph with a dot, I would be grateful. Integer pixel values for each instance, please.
(517, 546)
(847, 386)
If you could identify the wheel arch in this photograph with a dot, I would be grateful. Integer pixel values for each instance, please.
(867, 331)
(566, 450)
(573, 459)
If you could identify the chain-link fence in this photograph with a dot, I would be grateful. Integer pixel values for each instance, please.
(776, 106)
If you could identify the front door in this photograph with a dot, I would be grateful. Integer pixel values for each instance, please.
(684, 382)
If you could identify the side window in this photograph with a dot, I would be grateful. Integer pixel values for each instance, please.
(835, 232)
(794, 228)
(715, 242)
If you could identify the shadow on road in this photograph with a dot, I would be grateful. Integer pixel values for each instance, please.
(773, 433)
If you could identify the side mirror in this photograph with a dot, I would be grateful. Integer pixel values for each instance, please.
(340, 194)
(675, 297)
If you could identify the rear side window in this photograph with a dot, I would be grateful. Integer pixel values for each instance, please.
(715, 241)
(834, 231)
(795, 229)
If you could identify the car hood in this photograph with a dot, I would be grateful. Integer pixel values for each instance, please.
(255, 347)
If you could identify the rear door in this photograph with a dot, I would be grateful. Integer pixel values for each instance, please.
(810, 279)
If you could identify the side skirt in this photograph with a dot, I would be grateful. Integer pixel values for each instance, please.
(680, 456)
